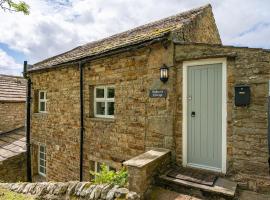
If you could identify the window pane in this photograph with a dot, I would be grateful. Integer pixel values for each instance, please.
(98, 167)
(42, 169)
(41, 95)
(99, 93)
(100, 108)
(110, 108)
(110, 93)
(42, 149)
(41, 106)
(42, 156)
(42, 163)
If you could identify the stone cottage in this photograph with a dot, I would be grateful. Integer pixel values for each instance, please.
(12, 102)
(12, 121)
(168, 84)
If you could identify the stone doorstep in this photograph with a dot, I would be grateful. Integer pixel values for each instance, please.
(222, 186)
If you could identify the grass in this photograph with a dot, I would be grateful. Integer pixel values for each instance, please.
(8, 195)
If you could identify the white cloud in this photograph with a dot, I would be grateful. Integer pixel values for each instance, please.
(8, 65)
(55, 26)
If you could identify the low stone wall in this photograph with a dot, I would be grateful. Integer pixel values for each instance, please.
(72, 190)
(143, 168)
(13, 169)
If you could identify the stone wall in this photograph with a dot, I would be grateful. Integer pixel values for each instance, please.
(247, 152)
(143, 169)
(13, 169)
(72, 190)
(58, 129)
(11, 115)
(203, 29)
(132, 74)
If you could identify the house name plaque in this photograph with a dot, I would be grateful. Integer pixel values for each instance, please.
(158, 93)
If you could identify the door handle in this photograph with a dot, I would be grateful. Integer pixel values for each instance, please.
(193, 114)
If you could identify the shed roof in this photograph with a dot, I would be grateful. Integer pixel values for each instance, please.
(134, 36)
(12, 143)
(12, 88)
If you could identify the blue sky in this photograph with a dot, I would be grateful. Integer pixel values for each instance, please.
(18, 56)
(55, 26)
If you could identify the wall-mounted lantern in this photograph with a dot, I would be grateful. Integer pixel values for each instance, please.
(164, 75)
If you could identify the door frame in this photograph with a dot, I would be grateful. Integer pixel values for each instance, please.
(187, 64)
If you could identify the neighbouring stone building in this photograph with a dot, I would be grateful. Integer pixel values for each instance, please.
(12, 156)
(12, 134)
(203, 115)
(12, 102)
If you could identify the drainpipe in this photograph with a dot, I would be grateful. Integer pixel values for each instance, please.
(269, 124)
(81, 120)
(28, 124)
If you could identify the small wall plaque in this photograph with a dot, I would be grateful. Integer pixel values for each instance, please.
(158, 94)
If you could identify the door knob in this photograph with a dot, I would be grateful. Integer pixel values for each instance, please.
(193, 114)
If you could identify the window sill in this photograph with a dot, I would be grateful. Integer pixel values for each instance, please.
(101, 119)
(40, 115)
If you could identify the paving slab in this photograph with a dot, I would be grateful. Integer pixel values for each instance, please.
(248, 195)
(158, 193)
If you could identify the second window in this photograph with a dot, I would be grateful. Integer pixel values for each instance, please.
(104, 101)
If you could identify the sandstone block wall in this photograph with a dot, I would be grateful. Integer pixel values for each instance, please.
(12, 115)
(129, 134)
(203, 29)
(13, 169)
(143, 169)
(58, 129)
(247, 152)
(106, 140)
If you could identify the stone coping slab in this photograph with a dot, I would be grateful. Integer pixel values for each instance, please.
(146, 158)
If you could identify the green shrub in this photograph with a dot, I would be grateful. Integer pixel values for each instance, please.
(108, 176)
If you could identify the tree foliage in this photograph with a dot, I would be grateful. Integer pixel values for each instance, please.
(10, 5)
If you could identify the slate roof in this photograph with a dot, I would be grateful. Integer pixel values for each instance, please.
(12, 143)
(12, 88)
(134, 36)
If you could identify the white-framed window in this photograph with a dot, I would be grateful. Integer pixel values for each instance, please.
(42, 101)
(104, 101)
(42, 160)
(95, 166)
(98, 167)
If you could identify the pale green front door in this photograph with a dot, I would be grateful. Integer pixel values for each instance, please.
(204, 120)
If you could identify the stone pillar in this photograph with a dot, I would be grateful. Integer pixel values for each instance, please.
(143, 168)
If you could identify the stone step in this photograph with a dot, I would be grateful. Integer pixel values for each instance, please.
(221, 187)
